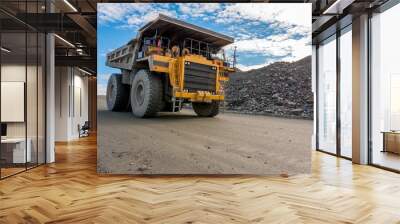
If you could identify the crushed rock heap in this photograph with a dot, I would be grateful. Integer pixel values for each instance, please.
(280, 89)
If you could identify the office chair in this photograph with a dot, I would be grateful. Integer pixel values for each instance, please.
(84, 130)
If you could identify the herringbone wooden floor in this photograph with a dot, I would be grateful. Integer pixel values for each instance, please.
(70, 191)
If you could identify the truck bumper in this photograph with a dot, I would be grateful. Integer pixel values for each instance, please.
(199, 96)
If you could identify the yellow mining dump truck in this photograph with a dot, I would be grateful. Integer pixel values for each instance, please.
(170, 62)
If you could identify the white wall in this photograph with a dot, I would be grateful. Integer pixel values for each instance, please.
(13, 100)
(17, 73)
(71, 102)
(62, 81)
(80, 103)
(12, 73)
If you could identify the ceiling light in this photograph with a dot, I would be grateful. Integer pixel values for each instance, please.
(70, 5)
(64, 40)
(5, 50)
(338, 6)
(84, 71)
(79, 51)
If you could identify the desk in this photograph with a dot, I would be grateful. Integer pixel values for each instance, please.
(13, 150)
(391, 141)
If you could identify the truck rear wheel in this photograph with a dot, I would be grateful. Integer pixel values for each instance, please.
(146, 94)
(206, 109)
(117, 95)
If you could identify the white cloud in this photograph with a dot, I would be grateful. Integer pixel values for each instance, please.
(280, 47)
(118, 11)
(292, 45)
(275, 45)
(292, 19)
(199, 9)
(130, 14)
(261, 46)
(284, 14)
(246, 68)
(137, 14)
(135, 20)
(110, 12)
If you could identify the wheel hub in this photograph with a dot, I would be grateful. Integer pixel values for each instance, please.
(139, 93)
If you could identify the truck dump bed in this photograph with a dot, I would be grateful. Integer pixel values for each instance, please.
(125, 56)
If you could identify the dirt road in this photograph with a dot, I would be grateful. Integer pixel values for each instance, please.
(182, 143)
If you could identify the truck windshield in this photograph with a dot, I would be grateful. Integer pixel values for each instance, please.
(162, 42)
(198, 47)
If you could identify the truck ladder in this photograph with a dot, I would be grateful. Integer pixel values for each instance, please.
(176, 103)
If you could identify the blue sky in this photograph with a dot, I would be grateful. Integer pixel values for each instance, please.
(264, 32)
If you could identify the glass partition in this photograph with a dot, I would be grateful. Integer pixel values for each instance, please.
(385, 89)
(22, 87)
(327, 95)
(31, 100)
(41, 97)
(14, 153)
(346, 92)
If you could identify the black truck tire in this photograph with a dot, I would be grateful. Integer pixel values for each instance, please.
(146, 94)
(206, 109)
(117, 95)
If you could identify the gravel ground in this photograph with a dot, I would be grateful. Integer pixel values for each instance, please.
(182, 143)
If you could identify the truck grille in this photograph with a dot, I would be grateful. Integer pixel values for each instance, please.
(199, 77)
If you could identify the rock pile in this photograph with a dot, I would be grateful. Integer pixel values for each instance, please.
(281, 89)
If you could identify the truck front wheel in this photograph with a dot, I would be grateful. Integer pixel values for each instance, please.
(117, 95)
(206, 109)
(146, 94)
